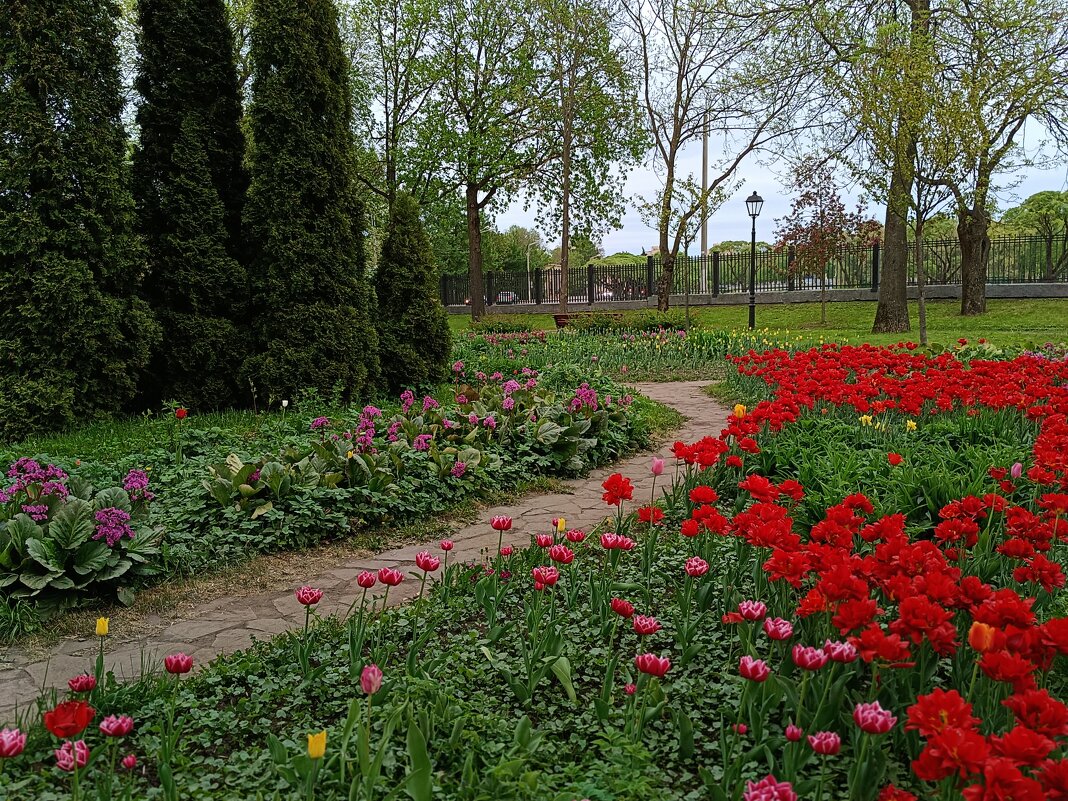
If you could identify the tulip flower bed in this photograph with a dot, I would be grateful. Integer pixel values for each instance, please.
(62, 541)
(771, 625)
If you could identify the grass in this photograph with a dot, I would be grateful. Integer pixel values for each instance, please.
(1006, 322)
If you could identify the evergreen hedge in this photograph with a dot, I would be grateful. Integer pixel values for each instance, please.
(73, 335)
(413, 328)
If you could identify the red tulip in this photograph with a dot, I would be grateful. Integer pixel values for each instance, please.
(366, 579)
(82, 684)
(575, 535)
(427, 563)
(117, 725)
(629, 689)
(895, 459)
(500, 523)
(69, 718)
(794, 733)
(12, 743)
(843, 652)
(562, 554)
(778, 629)
(129, 761)
(546, 576)
(507, 550)
(446, 545)
(652, 664)
(181, 413)
(178, 663)
(543, 540)
(769, 789)
(752, 610)
(309, 596)
(644, 624)
(753, 669)
(622, 608)
(390, 577)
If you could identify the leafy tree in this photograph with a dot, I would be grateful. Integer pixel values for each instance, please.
(303, 220)
(583, 250)
(482, 132)
(1045, 213)
(818, 225)
(594, 119)
(189, 185)
(509, 249)
(73, 335)
(413, 326)
(707, 66)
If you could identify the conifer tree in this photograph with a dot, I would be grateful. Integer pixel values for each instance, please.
(190, 186)
(73, 335)
(303, 222)
(413, 329)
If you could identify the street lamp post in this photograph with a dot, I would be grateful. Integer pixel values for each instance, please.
(753, 203)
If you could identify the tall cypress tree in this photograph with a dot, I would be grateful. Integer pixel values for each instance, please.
(413, 327)
(73, 335)
(190, 184)
(303, 222)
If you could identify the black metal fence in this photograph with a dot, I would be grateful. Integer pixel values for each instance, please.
(1013, 260)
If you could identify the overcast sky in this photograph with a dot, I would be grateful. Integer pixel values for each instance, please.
(732, 221)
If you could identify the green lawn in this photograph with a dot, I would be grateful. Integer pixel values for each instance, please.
(1007, 322)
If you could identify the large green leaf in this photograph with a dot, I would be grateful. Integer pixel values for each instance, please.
(112, 497)
(91, 556)
(45, 553)
(72, 524)
(19, 529)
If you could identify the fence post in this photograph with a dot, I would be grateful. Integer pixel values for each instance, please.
(648, 276)
(537, 285)
(490, 294)
(443, 289)
(875, 267)
(790, 256)
(589, 283)
(715, 274)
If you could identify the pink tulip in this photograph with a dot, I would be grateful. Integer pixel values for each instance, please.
(1016, 470)
(769, 789)
(616, 542)
(82, 684)
(644, 624)
(873, 719)
(825, 743)
(622, 608)
(390, 577)
(754, 669)
(500, 523)
(543, 540)
(652, 664)
(794, 733)
(366, 579)
(546, 576)
(657, 467)
(129, 761)
(843, 652)
(562, 554)
(740, 729)
(427, 563)
(507, 550)
(446, 545)
(629, 689)
(71, 753)
(178, 663)
(778, 629)
(696, 566)
(752, 610)
(309, 596)
(12, 741)
(371, 679)
(809, 658)
(117, 725)
(575, 535)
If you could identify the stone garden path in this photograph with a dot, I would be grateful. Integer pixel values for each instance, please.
(230, 623)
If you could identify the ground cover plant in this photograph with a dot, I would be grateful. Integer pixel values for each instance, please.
(210, 499)
(891, 626)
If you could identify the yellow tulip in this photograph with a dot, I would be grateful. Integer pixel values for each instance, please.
(348, 455)
(317, 745)
(561, 525)
(739, 410)
(102, 626)
(910, 425)
(865, 419)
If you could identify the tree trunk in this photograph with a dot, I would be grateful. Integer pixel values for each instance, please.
(972, 231)
(892, 315)
(474, 253)
(1050, 274)
(565, 215)
(667, 257)
(921, 281)
(823, 295)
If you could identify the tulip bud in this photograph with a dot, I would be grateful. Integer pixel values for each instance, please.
(317, 745)
(102, 626)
